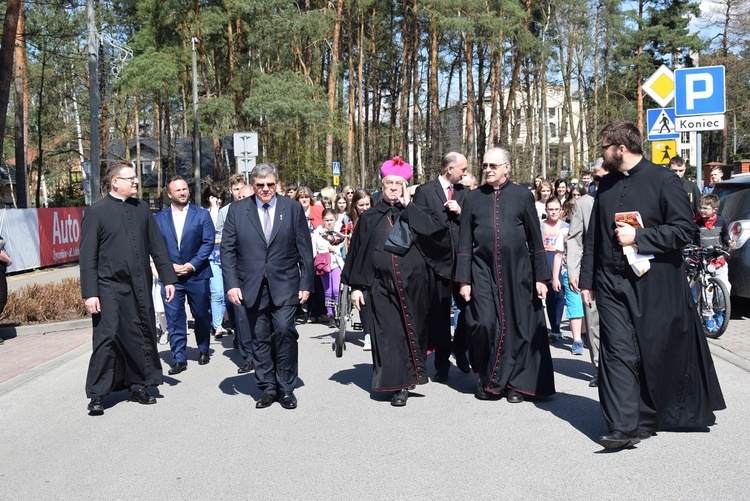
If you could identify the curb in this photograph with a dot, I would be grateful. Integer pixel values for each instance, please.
(8, 332)
(719, 351)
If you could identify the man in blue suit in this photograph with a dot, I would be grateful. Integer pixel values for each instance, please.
(189, 234)
(267, 262)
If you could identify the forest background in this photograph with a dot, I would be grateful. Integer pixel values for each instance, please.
(354, 81)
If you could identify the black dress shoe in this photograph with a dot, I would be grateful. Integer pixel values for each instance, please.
(462, 362)
(514, 397)
(265, 400)
(481, 394)
(399, 398)
(177, 368)
(142, 397)
(441, 376)
(645, 434)
(96, 406)
(594, 382)
(203, 358)
(288, 400)
(245, 367)
(618, 440)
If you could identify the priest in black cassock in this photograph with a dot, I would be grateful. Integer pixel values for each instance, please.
(501, 268)
(118, 235)
(397, 287)
(655, 369)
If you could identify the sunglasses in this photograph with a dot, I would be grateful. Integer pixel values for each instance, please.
(260, 186)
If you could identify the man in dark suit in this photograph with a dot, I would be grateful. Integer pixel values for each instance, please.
(189, 234)
(267, 261)
(444, 195)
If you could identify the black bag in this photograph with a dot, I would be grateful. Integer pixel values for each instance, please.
(400, 238)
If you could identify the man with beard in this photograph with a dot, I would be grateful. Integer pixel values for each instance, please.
(393, 284)
(189, 234)
(444, 196)
(501, 268)
(655, 369)
(117, 237)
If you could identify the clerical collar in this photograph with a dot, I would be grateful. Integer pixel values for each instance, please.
(117, 197)
(636, 168)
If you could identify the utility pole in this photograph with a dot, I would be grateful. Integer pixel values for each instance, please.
(196, 130)
(93, 46)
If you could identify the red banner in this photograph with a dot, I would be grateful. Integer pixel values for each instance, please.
(59, 234)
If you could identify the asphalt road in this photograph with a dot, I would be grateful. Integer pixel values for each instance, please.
(204, 439)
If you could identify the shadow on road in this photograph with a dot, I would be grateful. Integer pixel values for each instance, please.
(582, 413)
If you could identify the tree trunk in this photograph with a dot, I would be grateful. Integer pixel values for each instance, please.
(471, 148)
(433, 110)
(333, 74)
(10, 28)
(20, 126)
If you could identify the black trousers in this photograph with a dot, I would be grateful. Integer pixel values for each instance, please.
(439, 318)
(274, 343)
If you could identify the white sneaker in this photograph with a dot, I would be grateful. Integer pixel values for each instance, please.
(164, 338)
(368, 346)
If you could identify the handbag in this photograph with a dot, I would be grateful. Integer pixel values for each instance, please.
(400, 238)
(322, 263)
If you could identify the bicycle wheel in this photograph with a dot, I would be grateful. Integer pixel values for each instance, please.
(721, 306)
(344, 307)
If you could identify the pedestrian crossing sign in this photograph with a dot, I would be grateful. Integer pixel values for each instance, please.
(663, 151)
(661, 124)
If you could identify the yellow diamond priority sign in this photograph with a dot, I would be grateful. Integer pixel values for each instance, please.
(660, 86)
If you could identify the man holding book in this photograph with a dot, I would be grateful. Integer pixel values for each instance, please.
(655, 369)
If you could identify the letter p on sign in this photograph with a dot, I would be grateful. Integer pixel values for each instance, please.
(694, 82)
(700, 91)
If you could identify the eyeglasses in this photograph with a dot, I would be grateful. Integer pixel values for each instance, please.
(605, 146)
(493, 166)
(131, 180)
(260, 186)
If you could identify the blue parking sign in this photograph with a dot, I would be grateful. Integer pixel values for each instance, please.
(700, 91)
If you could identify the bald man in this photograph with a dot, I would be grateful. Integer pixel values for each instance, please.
(444, 195)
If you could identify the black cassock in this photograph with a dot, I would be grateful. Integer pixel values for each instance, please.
(117, 238)
(500, 253)
(655, 368)
(397, 290)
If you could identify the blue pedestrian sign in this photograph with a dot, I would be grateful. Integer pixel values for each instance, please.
(336, 168)
(700, 91)
(661, 124)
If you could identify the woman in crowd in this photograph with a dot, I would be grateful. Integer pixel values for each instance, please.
(349, 192)
(213, 198)
(561, 190)
(314, 213)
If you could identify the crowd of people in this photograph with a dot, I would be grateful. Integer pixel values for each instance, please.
(496, 253)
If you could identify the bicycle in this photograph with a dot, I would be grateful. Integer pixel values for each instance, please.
(710, 294)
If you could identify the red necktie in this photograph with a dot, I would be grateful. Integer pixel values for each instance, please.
(450, 192)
